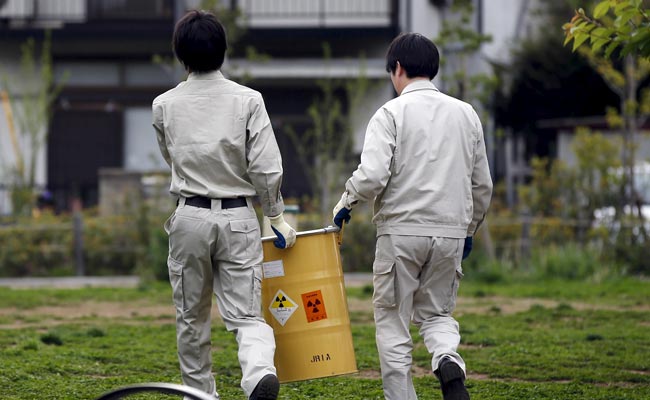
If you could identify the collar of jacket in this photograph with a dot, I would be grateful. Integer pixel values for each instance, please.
(202, 76)
(420, 84)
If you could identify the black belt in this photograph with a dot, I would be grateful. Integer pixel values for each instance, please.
(205, 202)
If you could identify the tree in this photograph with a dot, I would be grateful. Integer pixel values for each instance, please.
(465, 41)
(325, 149)
(616, 24)
(474, 88)
(32, 110)
(622, 25)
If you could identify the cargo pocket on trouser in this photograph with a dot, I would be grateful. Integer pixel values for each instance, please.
(256, 295)
(244, 240)
(176, 279)
(383, 280)
(458, 275)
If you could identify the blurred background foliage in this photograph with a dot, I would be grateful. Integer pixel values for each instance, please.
(581, 221)
(561, 229)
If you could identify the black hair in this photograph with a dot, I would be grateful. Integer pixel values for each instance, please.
(416, 54)
(199, 41)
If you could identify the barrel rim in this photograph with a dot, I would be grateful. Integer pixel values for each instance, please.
(325, 230)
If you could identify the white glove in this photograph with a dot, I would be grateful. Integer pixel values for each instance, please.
(285, 233)
(342, 210)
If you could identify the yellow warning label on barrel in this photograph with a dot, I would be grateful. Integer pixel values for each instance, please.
(314, 306)
(282, 307)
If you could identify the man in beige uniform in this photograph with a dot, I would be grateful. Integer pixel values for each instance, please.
(217, 138)
(424, 163)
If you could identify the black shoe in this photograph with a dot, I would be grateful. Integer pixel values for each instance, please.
(267, 388)
(452, 380)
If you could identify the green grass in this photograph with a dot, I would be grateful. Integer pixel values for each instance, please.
(31, 298)
(614, 292)
(563, 351)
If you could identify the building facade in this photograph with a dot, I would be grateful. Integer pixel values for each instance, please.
(113, 57)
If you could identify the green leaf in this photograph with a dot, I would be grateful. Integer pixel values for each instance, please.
(580, 38)
(601, 9)
(625, 17)
(580, 24)
(569, 37)
(625, 30)
(610, 49)
(621, 6)
(601, 32)
(595, 46)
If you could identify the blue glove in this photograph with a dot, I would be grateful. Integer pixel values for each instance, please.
(280, 242)
(341, 211)
(467, 247)
(342, 215)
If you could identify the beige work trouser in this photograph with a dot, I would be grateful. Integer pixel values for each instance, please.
(415, 278)
(220, 251)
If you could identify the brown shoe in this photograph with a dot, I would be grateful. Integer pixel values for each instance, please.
(452, 380)
(267, 388)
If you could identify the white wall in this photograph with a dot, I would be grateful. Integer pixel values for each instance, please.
(378, 94)
(501, 19)
(565, 141)
(505, 20)
(141, 151)
(424, 18)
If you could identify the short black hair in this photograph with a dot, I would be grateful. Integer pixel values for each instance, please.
(199, 41)
(416, 54)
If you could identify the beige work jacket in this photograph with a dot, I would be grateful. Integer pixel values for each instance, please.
(217, 138)
(424, 163)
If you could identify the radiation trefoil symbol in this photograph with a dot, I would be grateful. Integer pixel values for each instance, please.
(314, 305)
(282, 307)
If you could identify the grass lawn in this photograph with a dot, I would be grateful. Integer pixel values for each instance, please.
(543, 340)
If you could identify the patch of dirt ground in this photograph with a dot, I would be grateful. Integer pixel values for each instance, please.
(55, 315)
(139, 311)
(423, 372)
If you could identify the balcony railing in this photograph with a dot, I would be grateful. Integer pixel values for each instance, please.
(317, 13)
(257, 13)
(86, 10)
(61, 10)
(130, 9)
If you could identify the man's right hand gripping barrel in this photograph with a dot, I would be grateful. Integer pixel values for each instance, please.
(285, 233)
(342, 210)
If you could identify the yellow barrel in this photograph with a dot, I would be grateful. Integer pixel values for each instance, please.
(304, 300)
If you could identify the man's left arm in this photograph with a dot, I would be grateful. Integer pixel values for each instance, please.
(374, 171)
(265, 172)
(264, 159)
(157, 122)
(481, 181)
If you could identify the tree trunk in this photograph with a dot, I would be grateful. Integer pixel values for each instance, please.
(631, 126)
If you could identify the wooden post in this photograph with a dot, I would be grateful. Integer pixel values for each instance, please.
(77, 225)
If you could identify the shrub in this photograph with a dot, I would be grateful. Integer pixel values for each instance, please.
(565, 262)
(110, 245)
(358, 248)
(36, 250)
(118, 245)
